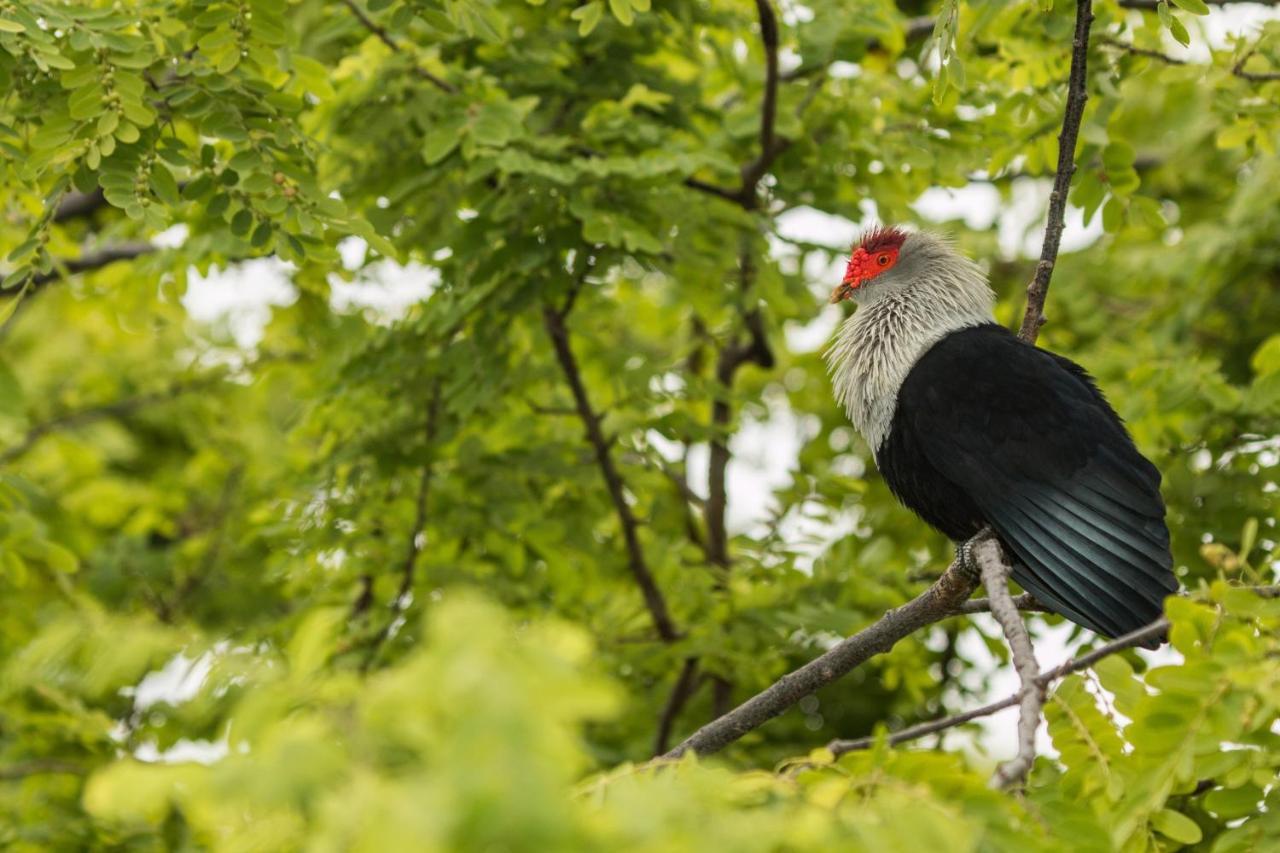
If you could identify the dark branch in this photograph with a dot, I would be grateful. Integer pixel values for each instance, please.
(681, 692)
(1253, 76)
(385, 37)
(770, 145)
(554, 321)
(75, 205)
(86, 263)
(413, 547)
(38, 766)
(1077, 94)
(934, 604)
(116, 408)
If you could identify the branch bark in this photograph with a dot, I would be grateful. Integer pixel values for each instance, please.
(1077, 95)
(86, 263)
(995, 574)
(771, 146)
(934, 604)
(385, 37)
(1042, 682)
(554, 322)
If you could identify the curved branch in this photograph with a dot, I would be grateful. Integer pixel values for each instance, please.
(554, 322)
(934, 604)
(385, 37)
(1077, 95)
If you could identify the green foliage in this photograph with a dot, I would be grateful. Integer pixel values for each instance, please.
(379, 540)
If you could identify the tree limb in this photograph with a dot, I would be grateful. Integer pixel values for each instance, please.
(684, 688)
(1042, 681)
(995, 575)
(75, 205)
(38, 766)
(770, 146)
(94, 260)
(1077, 94)
(1152, 5)
(413, 546)
(936, 603)
(554, 321)
(89, 414)
(385, 37)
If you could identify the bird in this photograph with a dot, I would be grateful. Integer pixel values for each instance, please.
(973, 428)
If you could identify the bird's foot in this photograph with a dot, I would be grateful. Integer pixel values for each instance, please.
(966, 557)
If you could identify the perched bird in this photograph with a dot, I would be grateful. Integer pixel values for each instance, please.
(972, 427)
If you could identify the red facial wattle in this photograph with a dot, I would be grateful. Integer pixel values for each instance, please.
(863, 266)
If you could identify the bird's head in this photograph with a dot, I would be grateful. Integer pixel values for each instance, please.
(875, 262)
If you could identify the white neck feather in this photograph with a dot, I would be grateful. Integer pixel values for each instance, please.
(876, 348)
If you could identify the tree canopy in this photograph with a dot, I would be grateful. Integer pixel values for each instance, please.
(448, 577)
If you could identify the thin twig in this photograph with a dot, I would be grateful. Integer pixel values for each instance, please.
(1152, 5)
(1135, 638)
(1077, 94)
(934, 604)
(38, 766)
(685, 686)
(1254, 76)
(1141, 51)
(385, 37)
(1026, 602)
(554, 321)
(116, 408)
(995, 576)
(75, 205)
(413, 547)
(770, 145)
(87, 262)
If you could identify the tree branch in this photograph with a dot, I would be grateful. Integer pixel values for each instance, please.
(85, 263)
(1152, 5)
(385, 37)
(75, 205)
(770, 146)
(554, 321)
(995, 573)
(89, 414)
(38, 766)
(684, 688)
(1253, 76)
(934, 604)
(1077, 94)
(1026, 601)
(414, 545)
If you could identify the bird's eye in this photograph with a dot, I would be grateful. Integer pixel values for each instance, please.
(883, 260)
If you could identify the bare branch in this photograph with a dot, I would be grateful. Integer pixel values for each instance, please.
(681, 692)
(85, 263)
(770, 146)
(995, 574)
(1253, 76)
(1135, 638)
(90, 414)
(934, 604)
(38, 766)
(1026, 602)
(1152, 5)
(413, 547)
(75, 205)
(385, 37)
(1077, 94)
(554, 321)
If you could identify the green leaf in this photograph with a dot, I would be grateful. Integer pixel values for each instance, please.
(442, 138)
(1176, 826)
(588, 16)
(622, 10)
(10, 26)
(1195, 7)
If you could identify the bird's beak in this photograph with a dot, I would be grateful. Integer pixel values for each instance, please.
(844, 289)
